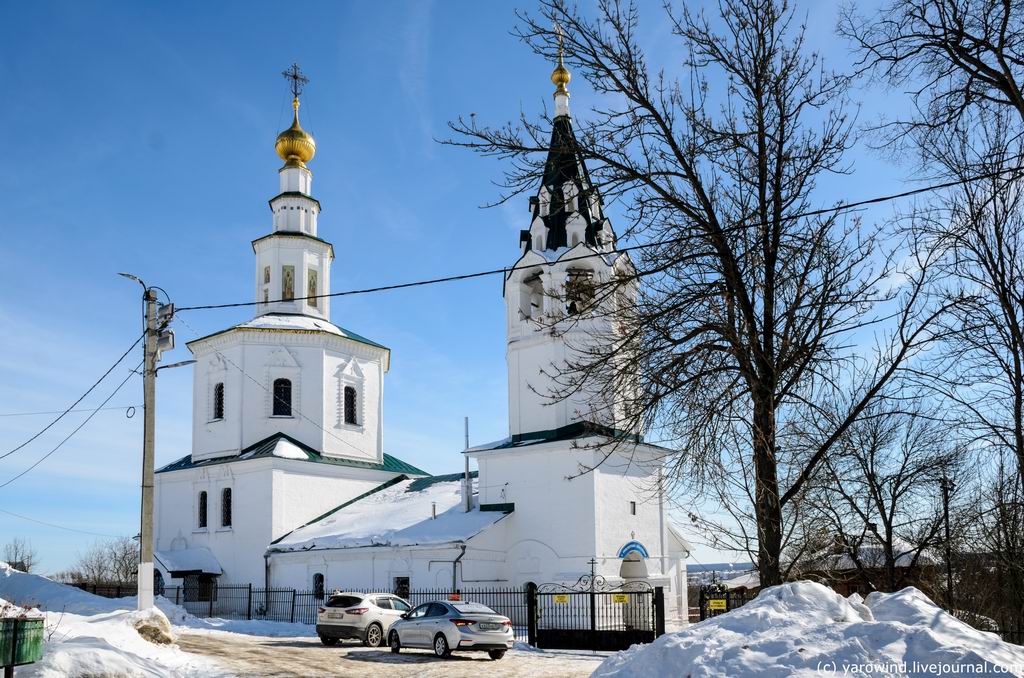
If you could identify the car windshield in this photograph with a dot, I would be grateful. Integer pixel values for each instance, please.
(343, 601)
(472, 608)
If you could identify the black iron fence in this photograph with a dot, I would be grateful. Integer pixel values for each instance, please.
(613, 618)
(593, 615)
(714, 601)
(228, 601)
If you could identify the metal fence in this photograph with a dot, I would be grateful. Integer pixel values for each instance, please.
(291, 605)
(510, 601)
(714, 602)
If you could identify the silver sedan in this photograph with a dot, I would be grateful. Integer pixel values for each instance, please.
(445, 627)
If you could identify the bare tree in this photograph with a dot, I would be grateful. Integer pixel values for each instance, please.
(20, 555)
(114, 561)
(976, 235)
(750, 290)
(954, 55)
(879, 494)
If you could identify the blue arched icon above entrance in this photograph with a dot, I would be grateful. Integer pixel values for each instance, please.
(633, 547)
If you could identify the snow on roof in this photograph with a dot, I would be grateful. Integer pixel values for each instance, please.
(871, 554)
(395, 514)
(294, 321)
(806, 629)
(194, 560)
(747, 580)
(286, 321)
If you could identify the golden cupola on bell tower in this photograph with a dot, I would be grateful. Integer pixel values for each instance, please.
(293, 264)
(295, 145)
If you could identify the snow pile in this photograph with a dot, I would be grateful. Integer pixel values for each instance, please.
(87, 635)
(806, 629)
(395, 515)
(289, 450)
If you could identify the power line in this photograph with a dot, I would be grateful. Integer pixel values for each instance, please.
(80, 399)
(95, 409)
(59, 527)
(73, 432)
(837, 209)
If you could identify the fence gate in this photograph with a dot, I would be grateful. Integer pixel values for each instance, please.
(715, 600)
(592, 615)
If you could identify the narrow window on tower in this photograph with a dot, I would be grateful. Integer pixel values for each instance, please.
(311, 287)
(632, 508)
(202, 510)
(287, 283)
(282, 398)
(350, 405)
(225, 507)
(218, 401)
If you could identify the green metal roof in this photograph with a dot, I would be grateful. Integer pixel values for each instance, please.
(265, 448)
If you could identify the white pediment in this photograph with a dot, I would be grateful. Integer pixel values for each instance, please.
(350, 368)
(281, 357)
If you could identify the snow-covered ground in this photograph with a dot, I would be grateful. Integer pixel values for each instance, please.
(87, 635)
(806, 629)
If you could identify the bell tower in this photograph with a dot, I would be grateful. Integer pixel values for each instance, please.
(293, 265)
(552, 315)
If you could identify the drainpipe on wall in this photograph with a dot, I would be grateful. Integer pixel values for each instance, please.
(455, 565)
(467, 485)
(661, 520)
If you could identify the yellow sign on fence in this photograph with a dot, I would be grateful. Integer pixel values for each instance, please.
(561, 598)
(716, 604)
(620, 598)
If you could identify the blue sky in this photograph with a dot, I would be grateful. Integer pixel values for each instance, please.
(140, 138)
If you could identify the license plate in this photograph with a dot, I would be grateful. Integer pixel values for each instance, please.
(335, 616)
(487, 626)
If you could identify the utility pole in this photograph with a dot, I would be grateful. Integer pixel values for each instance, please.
(947, 487)
(158, 339)
(145, 575)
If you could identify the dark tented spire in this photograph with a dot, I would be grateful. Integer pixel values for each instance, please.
(565, 165)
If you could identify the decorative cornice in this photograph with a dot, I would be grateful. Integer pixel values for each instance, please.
(294, 234)
(293, 194)
(261, 336)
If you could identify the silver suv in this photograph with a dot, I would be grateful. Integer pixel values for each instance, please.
(366, 616)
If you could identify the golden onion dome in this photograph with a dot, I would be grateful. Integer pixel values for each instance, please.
(560, 77)
(295, 145)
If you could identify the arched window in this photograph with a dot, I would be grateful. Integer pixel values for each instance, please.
(318, 585)
(218, 401)
(225, 507)
(202, 509)
(350, 405)
(579, 290)
(282, 398)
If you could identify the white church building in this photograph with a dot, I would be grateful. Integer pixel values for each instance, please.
(288, 484)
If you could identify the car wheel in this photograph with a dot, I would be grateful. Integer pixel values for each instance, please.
(329, 641)
(441, 648)
(495, 654)
(374, 636)
(394, 642)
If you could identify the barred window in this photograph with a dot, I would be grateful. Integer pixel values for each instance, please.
(218, 401)
(225, 507)
(282, 398)
(202, 509)
(350, 405)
